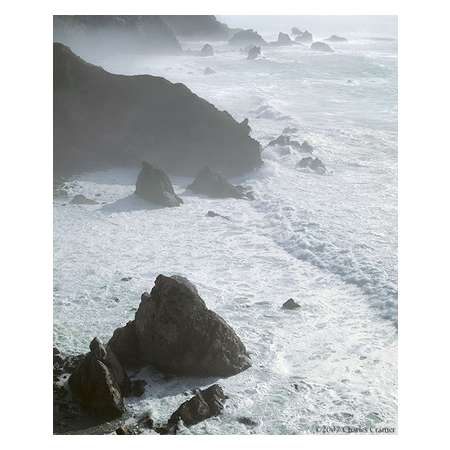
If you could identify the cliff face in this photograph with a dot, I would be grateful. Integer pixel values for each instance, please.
(103, 120)
(198, 27)
(88, 35)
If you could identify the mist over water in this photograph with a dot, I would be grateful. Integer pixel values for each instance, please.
(329, 241)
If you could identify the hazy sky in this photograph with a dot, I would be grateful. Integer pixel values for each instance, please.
(318, 25)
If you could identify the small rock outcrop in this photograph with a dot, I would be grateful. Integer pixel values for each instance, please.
(80, 199)
(290, 304)
(207, 50)
(254, 52)
(284, 140)
(246, 37)
(335, 38)
(214, 214)
(178, 334)
(154, 186)
(283, 39)
(304, 37)
(321, 47)
(205, 404)
(295, 31)
(314, 164)
(208, 71)
(214, 185)
(100, 382)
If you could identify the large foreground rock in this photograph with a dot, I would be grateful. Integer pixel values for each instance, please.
(154, 186)
(178, 334)
(100, 382)
(103, 120)
(214, 185)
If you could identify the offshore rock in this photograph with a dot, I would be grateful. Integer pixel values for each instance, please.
(154, 186)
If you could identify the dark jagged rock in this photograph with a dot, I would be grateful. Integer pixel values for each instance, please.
(124, 344)
(97, 36)
(208, 71)
(205, 404)
(246, 37)
(254, 52)
(314, 164)
(247, 421)
(306, 147)
(335, 38)
(207, 50)
(214, 214)
(137, 388)
(178, 334)
(80, 199)
(126, 278)
(321, 46)
(154, 186)
(198, 27)
(304, 37)
(99, 383)
(215, 185)
(103, 120)
(284, 140)
(290, 304)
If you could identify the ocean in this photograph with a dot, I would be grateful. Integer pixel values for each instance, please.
(328, 241)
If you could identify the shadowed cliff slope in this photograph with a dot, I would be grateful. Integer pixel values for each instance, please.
(103, 120)
(92, 36)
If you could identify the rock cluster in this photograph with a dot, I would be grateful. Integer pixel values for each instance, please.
(80, 199)
(246, 37)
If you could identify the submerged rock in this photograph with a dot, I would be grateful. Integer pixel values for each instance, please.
(207, 50)
(314, 164)
(304, 37)
(306, 147)
(178, 334)
(208, 71)
(321, 46)
(335, 38)
(246, 37)
(214, 214)
(205, 404)
(80, 199)
(289, 130)
(100, 382)
(154, 186)
(247, 421)
(215, 185)
(290, 304)
(254, 52)
(284, 140)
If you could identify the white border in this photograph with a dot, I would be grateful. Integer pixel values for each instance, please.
(27, 222)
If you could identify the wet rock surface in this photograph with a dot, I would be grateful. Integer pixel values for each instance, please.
(290, 304)
(177, 334)
(314, 164)
(321, 46)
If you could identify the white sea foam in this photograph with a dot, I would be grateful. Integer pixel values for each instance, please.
(328, 241)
